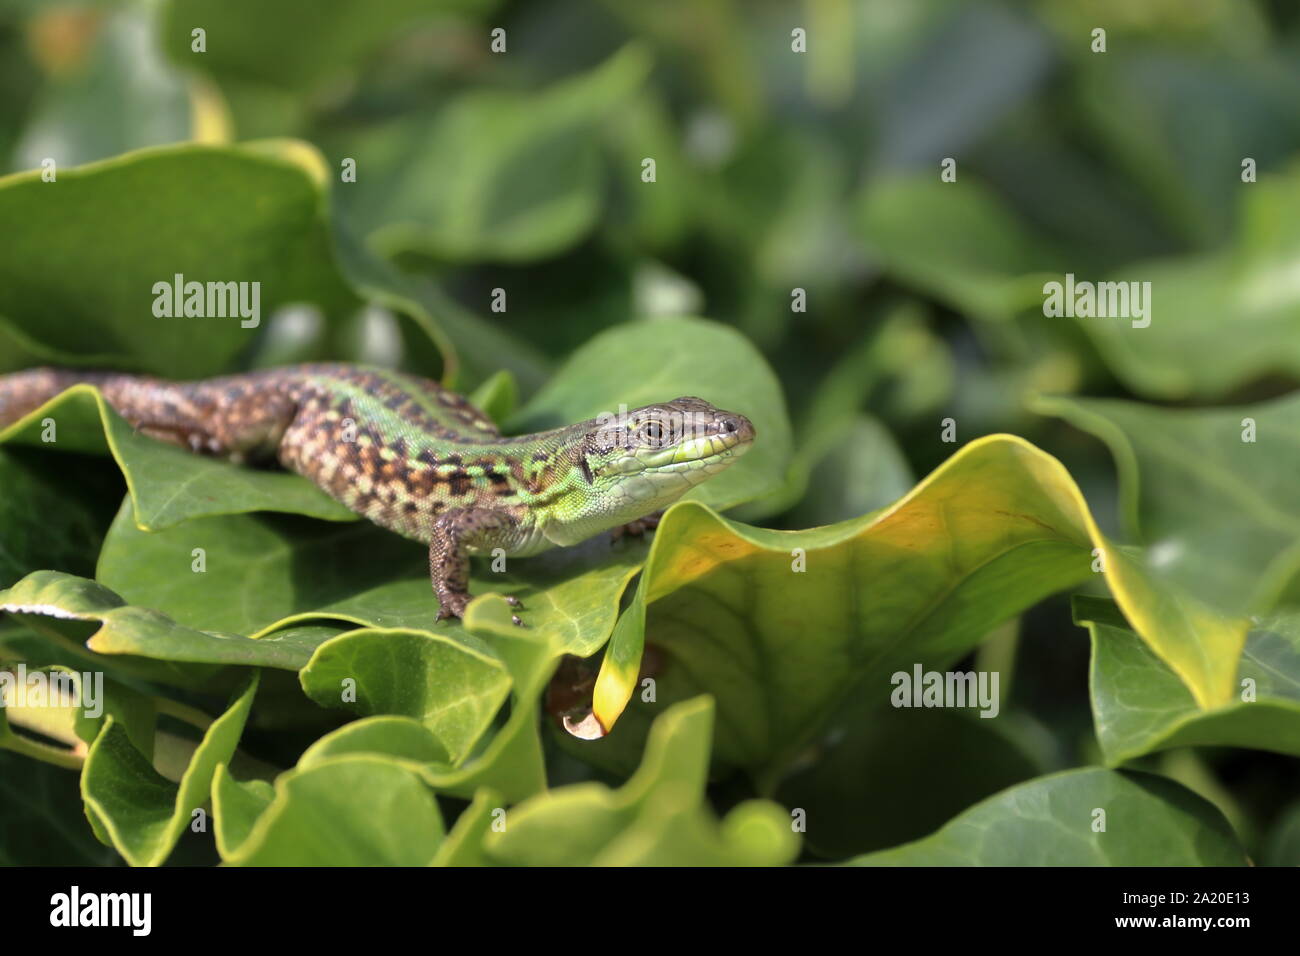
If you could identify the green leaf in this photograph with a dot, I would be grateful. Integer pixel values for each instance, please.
(996, 528)
(166, 484)
(133, 710)
(1219, 513)
(1220, 319)
(899, 364)
(41, 821)
(510, 762)
(235, 808)
(889, 774)
(495, 175)
(402, 737)
(859, 468)
(464, 844)
(1147, 110)
(52, 722)
(656, 360)
(1139, 705)
(656, 818)
(255, 213)
(52, 517)
(356, 810)
(247, 40)
(143, 813)
(1282, 846)
(122, 96)
(1149, 821)
(271, 229)
(452, 687)
(148, 633)
(497, 397)
(284, 569)
(956, 242)
(290, 571)
(656, 219)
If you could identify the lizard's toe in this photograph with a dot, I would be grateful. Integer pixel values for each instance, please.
(453, 607)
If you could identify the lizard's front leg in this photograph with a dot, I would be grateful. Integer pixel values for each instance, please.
(454, 533)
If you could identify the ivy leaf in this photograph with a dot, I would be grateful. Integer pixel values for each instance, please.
(143, 813)
(1053, 821)
(1282, 845)
(495, 174)
(248, 41)
(1210, 492)
(1146, 110)
(656, 817)
(251, 213)
(356, 810)
(144, 632)
(40, 810)
(167, 485)
(236, 806)
(956, 242)
(1139, 705)
(887, 774)
(1220, 319)
(464, 844)
(996, 528)
(52, 516)
(510, 762)
(289, 571)
(452, 687)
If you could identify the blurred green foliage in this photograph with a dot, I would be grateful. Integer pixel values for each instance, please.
(796, 198)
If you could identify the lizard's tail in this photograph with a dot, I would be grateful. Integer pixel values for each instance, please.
(240, 417)
(23, 392)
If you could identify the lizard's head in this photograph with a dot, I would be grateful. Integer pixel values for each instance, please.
(637, 462)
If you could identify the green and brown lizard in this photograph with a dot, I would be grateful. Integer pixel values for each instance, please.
(421, 460)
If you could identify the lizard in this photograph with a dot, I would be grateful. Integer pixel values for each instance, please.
(421, 460)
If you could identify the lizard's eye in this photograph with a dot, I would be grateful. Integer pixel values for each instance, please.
(654, 433)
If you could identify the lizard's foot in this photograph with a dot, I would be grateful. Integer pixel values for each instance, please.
(640, 526)
(453, 605)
